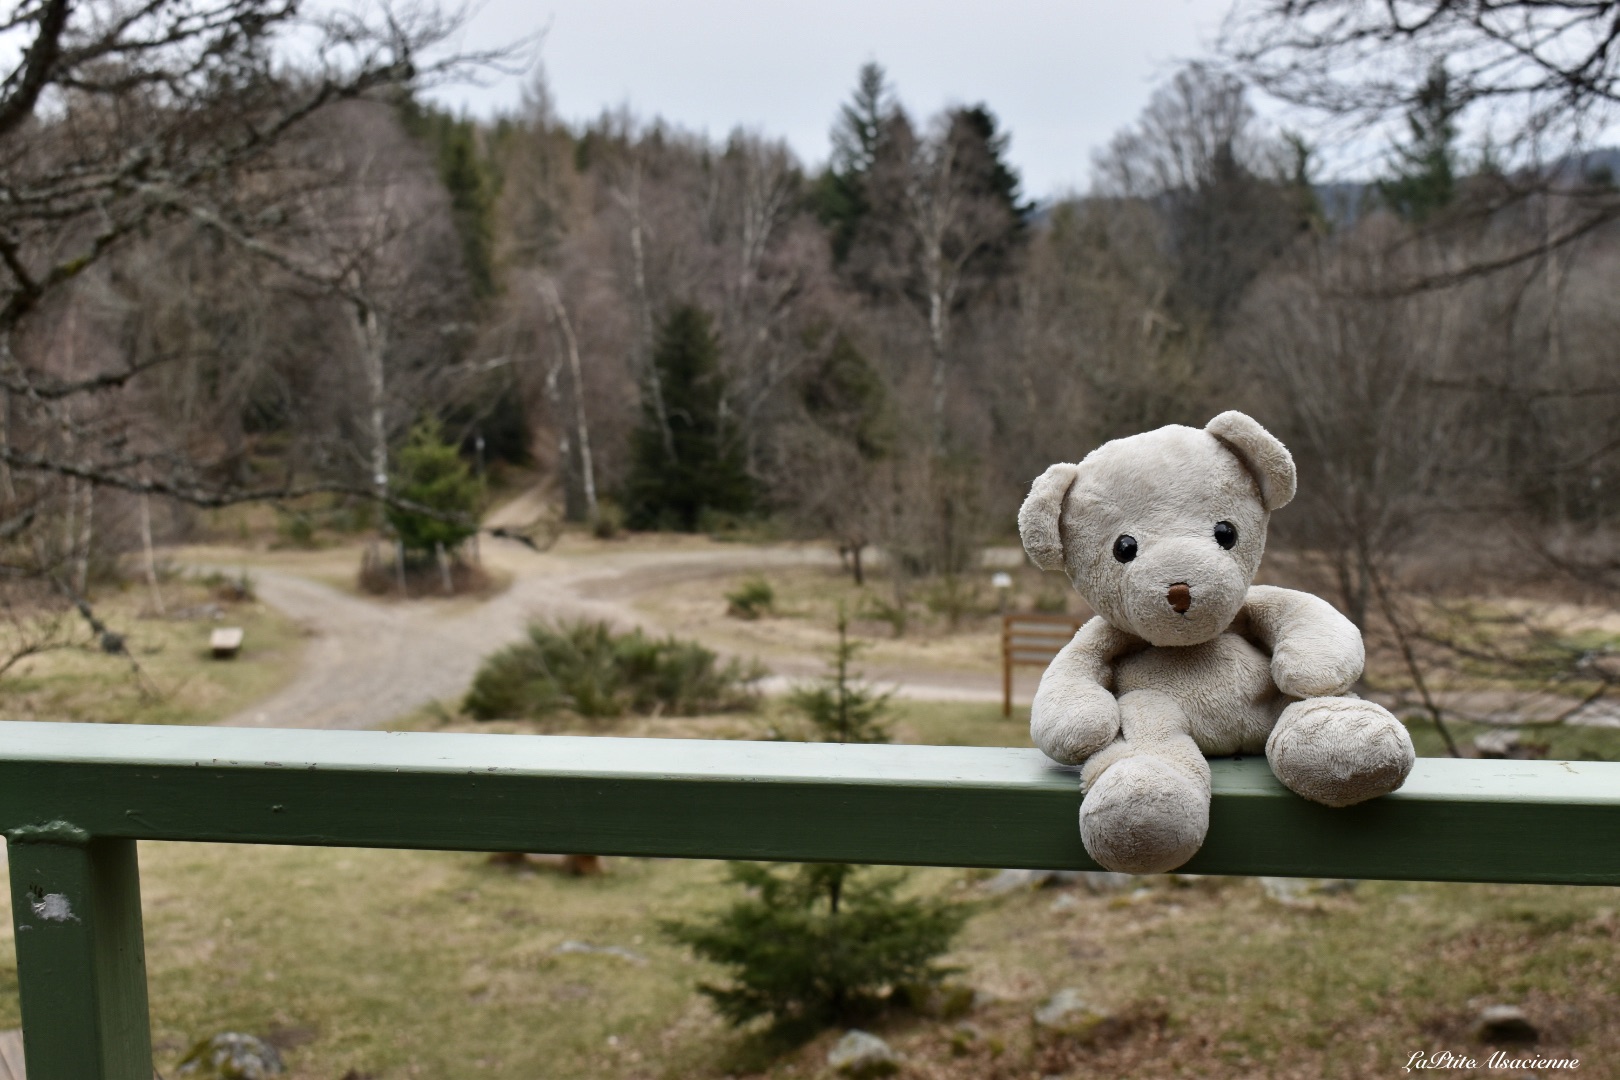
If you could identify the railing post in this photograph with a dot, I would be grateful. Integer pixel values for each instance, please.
(81, 961)
(1006, 666)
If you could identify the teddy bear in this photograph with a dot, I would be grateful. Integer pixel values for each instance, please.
(1162, 533)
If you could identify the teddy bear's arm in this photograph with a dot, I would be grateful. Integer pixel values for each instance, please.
(1315, 651)
(1074, 713)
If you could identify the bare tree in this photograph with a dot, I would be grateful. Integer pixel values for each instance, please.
(937, 232)
(168, 112)
(565, 328)
(1348, 382)
(126, 130)
(1539, 81)
(1230, 206)
(1549, 72)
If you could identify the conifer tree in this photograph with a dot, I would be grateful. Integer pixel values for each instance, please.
(842, 706)
(469, 180)
(472, 201)
(819, 944)
(1425, 179)
(688, 459)
(846, 397)
(430, 473)
(842, 199)
(822, 943)
(1299, 182)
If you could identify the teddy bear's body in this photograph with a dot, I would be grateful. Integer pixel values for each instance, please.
(1223, 686)
(1162, 533)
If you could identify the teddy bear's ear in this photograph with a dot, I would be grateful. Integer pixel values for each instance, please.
(1041, 516)
(1261, 452)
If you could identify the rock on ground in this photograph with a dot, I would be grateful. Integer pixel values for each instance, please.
(1302, 891)
(1504, 1024)
(232, 1056)
(1068, 1013)
(862, 1056)
(1097, 881)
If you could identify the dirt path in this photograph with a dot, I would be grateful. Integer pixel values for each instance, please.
(371, 661)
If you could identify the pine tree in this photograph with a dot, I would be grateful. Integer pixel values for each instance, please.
(860, 123)
(843, 708)
(688, 459)
(819, 944)
(841, 196)
(430, 473)
(846, 396)
(1425, 179)
(1300, 183)
(823, 943)
(472, 202)
(469, 180)
(983, 147)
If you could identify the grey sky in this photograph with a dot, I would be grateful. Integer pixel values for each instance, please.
(1062, 77)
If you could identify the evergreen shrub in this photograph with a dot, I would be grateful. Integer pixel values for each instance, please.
(824, 943)
(585, 668)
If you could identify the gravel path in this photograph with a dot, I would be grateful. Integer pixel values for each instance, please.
(371, 661)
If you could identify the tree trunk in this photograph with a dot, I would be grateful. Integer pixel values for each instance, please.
(151, 561)
(936, 343)
(444, 568)
(565, 445)
(8, 490)
(69, 524)
(86, 538)
(368, 329)
(655, 384)
(559, 315)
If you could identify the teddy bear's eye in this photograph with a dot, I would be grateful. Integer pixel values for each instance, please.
(1125, 548)
(1226, 534)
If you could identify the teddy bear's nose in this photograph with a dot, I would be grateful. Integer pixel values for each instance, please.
(1180, 597)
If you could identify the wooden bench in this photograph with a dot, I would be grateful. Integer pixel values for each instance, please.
(1031, 640)
(75, 799)
(226, 642)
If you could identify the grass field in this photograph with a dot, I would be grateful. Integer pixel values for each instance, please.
(178, 681)
(807, 599)
(430, 964)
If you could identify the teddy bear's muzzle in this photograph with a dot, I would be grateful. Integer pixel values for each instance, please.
(1179, 597)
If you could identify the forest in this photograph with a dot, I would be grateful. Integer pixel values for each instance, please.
(228, 280)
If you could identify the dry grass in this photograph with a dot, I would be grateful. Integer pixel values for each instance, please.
(805, 611)
(178, 683)
(1213, 979)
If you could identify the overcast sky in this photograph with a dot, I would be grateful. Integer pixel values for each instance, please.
(1061, 76)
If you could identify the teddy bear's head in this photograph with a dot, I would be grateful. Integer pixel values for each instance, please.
(1162, 532)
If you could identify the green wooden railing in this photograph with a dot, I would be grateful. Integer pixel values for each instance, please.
(74, 799)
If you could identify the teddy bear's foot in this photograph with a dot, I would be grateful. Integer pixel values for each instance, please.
(1339, 750)
(1144, 816)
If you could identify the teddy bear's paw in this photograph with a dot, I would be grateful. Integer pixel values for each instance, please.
(1143, 816)
(1339, 751)
(1070, 724)
(1303, 672)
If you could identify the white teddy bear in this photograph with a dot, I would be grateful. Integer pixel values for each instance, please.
(1162, 533)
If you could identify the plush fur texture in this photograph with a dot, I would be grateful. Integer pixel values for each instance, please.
(1186, 657)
